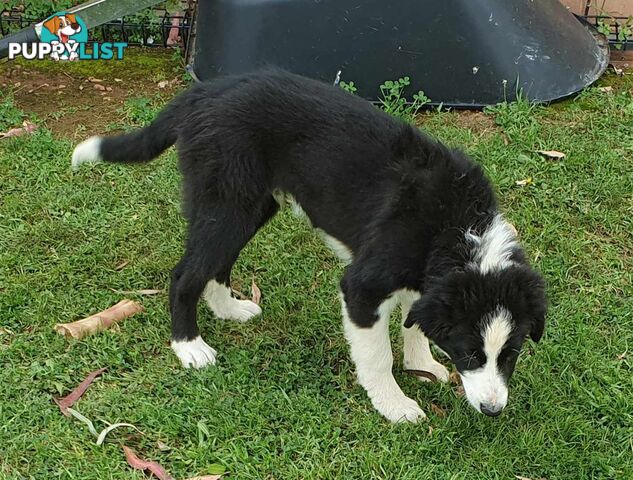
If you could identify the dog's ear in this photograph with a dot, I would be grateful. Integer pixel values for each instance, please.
(72, 20)
(538, 301)
(52, 24)
(528, 291)
(428, 313)
(435, 309)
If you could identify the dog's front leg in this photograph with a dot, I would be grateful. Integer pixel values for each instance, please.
(371, 353)
(417, 351)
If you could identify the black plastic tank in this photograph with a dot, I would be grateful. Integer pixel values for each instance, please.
(462, 53)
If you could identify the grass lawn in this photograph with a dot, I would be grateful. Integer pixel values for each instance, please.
(282, 401)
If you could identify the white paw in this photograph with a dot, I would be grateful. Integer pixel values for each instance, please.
(194, 353)
(88, 151)
(437, 369)
(398, 409)
(223, 305)
(234, 309)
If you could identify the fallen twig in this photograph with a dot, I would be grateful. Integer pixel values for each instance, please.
(100, 321)
(422, 373)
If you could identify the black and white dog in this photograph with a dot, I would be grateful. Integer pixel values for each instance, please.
(416, 222)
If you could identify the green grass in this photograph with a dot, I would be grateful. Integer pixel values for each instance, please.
(282, 402)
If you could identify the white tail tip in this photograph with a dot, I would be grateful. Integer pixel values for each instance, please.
(88, 151)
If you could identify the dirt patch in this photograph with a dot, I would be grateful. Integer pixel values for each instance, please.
(72, 104)
(476, 122)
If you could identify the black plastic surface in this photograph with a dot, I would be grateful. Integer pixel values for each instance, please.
(26, 35)
(462, 53)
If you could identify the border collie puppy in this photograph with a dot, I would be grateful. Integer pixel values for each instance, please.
(417, 224)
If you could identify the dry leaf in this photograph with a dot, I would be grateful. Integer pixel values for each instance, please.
(439, 411)
(256, 293)
(140, 464)
(27, 127)
(605, 89)
(98, 86)
(70, 399)
(454, 378)
(239, 294)
(459, 391)
(618, 71)
(81, 87)
(100, 321)
(552, 154)
(94, 80)
(121, 265)
(622, 356)
(83, 420)
(5, 331)
(163, 84)
(525, 182)
(105, 431)
(206, 477)
(147, 291)
(162, 446)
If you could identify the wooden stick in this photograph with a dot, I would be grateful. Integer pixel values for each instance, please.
(422, 373)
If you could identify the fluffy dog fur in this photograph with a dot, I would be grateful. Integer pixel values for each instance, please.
(417, 222)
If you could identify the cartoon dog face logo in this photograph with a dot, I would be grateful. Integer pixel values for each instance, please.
(63, 26)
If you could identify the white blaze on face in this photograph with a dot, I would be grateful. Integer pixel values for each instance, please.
(486, 386)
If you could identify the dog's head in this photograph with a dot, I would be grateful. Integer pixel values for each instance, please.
(66, 24)
(480, 320)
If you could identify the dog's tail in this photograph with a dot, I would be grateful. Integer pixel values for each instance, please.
(136, 147)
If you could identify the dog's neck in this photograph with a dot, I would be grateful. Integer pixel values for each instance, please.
(489, 243)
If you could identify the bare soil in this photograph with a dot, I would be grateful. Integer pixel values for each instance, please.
(74, 101)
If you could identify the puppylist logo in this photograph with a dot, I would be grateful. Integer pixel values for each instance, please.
(64, 36)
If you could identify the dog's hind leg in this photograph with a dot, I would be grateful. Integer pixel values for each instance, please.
(417, 351)
(217, 292)
(218, 296)
(216, 237)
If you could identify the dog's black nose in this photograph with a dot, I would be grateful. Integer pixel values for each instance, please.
(490, 410)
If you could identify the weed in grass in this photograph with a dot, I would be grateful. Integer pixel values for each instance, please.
(10, 115)
(518, 119)
(394, 102)
(348, 86)
(393, 99)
